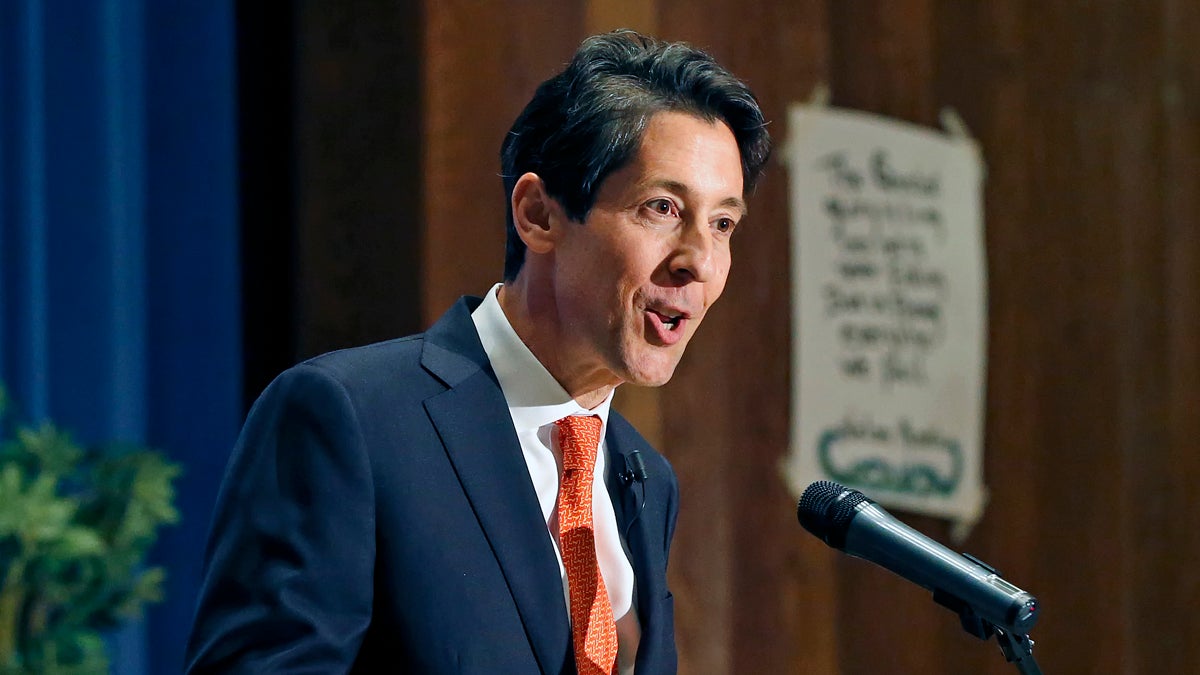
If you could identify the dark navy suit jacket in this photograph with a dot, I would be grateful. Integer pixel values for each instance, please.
(377, 516)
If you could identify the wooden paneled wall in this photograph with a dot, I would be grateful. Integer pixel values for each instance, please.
(1089, 119)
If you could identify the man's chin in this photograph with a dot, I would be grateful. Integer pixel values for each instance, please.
(654, 372)
(648, 381)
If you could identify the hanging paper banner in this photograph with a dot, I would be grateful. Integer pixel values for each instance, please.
(889, 311)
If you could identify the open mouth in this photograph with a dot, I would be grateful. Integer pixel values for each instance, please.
(668, 325)
(670, 320)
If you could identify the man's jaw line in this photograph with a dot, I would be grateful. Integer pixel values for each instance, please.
(590, 384)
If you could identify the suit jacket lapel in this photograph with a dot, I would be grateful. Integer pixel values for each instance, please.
(473, 421)
(624, 496)
(643, 514)
(627, 498)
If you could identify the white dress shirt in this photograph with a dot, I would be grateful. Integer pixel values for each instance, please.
(536, 401)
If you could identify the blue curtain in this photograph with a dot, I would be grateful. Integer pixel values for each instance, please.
(119, 268)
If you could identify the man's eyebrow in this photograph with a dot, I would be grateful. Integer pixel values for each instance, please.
(736, 203)
(675, 186)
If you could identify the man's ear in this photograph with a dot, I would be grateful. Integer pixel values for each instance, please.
(536, 214)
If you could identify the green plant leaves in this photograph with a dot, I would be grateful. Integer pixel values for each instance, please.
(31, 510)
(75, 527)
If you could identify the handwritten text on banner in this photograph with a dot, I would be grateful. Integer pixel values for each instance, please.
(889, 291)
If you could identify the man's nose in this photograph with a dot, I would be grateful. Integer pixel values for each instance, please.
(693, 257)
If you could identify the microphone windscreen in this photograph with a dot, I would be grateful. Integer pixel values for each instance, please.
(826, 509)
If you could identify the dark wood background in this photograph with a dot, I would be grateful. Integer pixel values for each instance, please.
(1088, 114)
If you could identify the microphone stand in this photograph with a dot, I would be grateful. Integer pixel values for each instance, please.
(1017, 649)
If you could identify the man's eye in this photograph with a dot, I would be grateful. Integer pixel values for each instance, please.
(661, 206)
(725, 225)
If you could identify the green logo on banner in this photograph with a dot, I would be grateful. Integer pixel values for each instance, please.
(920, 462)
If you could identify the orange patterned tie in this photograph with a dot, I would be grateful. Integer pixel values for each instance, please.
(593, 628)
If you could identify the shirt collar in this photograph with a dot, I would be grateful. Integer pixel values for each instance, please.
(534, 397)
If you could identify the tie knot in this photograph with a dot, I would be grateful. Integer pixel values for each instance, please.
(578, 438)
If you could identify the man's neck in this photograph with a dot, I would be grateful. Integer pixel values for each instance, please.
(534, 319)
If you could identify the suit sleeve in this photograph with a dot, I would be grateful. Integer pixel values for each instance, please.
(289, 565)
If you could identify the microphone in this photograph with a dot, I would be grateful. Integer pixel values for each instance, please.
(635, 472)
(848, 521)
(635, 469)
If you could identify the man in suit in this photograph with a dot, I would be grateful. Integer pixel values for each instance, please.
(411, 506)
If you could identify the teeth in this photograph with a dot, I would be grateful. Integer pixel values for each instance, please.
(669, 321)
